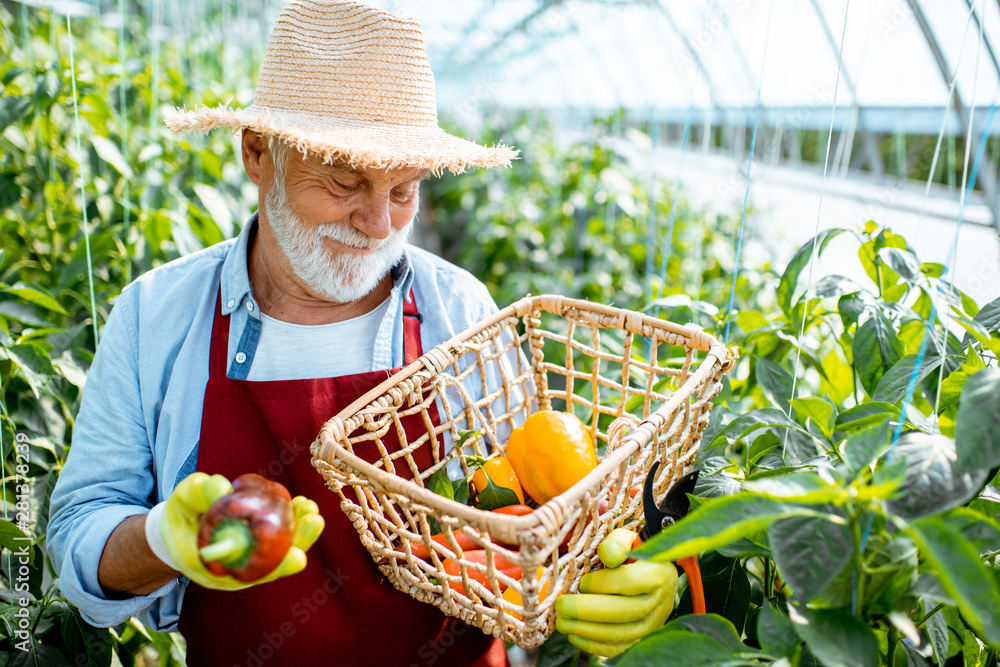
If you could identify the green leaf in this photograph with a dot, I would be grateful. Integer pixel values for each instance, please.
(217, 207)
(961, 573)
(495, 496)
(762, 445)
(864, 415)
(775, 381)
(850, 307)
(821, 411)
(464, 436)
(972, 651)
(989, 316)
(913, 657)
(893, 385)
(887, 479)
(33, 364)
(952, 388)
(108, 151)
(751, 320)
(873, 265)
(975, 426)
(37, 655)
(903, 262)
(834, 285)
(461, 490)
(12, 537)
(12, 74)
(441, 484)
(727, 592)
(809, 552)
(835, 637)
(977, 331)
(767, 418)
(790, 278)
(47, 86)
(719, 522)
(804, 486)
(557, 652)
(891, 572)
(981, 531)
(36, 296)
(875, 349)
(775, 632)
(10, 191)
(937, 631)
(12, 109)
(717, 485)
(865, 446)
(719, 628)
(83, 642)
(681, 649)
(837, 378)
(932, 484)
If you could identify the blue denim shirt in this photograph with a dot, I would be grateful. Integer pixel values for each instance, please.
(137, 432)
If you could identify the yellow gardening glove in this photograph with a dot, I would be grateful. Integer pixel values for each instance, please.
(182, 513)
(617, 606)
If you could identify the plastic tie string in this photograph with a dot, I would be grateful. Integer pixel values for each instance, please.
(669, 239)
(819, 214)
(967, 184)
(83, 180)
(746, 193)
(122, 103)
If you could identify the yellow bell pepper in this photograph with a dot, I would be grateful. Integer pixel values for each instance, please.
(551, 452)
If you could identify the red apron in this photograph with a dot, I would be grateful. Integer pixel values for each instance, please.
(340, 610)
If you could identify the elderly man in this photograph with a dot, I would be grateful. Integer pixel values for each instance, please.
(229, 360)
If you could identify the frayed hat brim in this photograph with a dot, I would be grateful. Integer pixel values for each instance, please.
(372, 145)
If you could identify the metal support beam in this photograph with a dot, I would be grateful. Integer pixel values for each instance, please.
(689, 48)
(987, 174)
(869, 142)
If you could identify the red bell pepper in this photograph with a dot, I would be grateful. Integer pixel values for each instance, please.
(479, 556)
(247, 533)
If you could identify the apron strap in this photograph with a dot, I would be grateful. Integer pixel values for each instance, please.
(412, 349)
(219, 347)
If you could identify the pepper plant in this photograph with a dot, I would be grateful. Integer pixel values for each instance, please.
(847, 515)
(148, 199)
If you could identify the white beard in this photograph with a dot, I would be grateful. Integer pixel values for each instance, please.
(340, 278)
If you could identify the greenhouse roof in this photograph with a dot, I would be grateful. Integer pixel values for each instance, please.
(662, 57)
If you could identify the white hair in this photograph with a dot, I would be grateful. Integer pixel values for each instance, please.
(279, 155)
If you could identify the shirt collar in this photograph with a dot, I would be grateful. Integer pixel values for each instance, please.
(236, 275)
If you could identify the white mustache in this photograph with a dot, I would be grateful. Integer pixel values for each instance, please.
(349, 237)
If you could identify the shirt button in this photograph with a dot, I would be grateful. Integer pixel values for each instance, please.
(240, 357)
(232, 303)
(250, 306)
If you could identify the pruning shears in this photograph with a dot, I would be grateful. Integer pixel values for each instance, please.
(675, 507)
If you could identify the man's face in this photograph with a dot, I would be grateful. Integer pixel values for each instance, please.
(341, 229)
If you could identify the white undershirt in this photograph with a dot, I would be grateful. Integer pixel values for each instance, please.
(300, 351)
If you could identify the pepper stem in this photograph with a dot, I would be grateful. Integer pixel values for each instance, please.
(232, 543)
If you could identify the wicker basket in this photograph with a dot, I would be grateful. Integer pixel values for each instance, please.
(584, 357)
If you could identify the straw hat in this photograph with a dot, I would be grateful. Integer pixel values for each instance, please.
(349, 83)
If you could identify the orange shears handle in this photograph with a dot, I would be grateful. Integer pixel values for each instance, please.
(690, 565)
